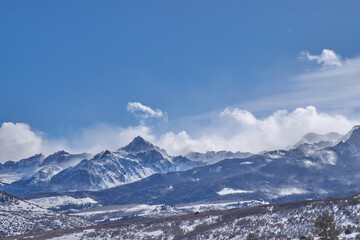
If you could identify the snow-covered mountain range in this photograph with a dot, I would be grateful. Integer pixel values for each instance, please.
(141, 173)
(307, 171)
(317, 166)
(63, 171)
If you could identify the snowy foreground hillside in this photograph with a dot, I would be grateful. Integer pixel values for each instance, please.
(275, 221)
(20, 217)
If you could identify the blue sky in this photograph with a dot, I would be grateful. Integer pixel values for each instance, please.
(67, 66)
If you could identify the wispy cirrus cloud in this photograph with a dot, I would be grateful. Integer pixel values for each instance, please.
(335, 88)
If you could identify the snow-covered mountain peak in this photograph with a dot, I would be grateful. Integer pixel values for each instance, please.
(36, 157)
(312, 138)
(138, 144)
(55, 157)
(61, 152)
(13, 171)
(24, 163)
(353, 135)
(348, 149)
(64, 159)
(356, 127)
(107, 154)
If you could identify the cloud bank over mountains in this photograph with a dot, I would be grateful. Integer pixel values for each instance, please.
(18, 140)
(232, 129)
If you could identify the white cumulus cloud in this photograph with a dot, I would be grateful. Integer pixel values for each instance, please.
(240, 130)
(17, 141)
(143, 111)
(326, 58)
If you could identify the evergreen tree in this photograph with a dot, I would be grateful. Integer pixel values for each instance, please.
(325, 227)
(251, 236)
